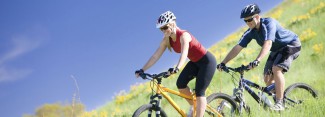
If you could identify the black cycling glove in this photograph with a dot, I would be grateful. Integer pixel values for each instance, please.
(221, 66)
(254, 63)
(173, 70)
(139, 71)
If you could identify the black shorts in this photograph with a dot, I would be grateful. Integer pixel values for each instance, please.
(282, 58)
(203, 70)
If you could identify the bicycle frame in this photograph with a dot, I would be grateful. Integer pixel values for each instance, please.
(246, 84)
(163, 91)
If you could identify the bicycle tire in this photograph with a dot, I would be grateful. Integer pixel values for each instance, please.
(298, 97)
(147, 107)
(223, 101)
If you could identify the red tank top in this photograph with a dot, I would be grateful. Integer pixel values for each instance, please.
(196, 50)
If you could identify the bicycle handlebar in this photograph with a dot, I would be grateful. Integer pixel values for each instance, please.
(240, 69)
(155, 76)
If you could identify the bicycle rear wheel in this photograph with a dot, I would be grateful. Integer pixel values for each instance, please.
(222, 103)
(148, 110)
(299, 93)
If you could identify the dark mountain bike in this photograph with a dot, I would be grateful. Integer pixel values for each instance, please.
(294, 95)
(218, 104)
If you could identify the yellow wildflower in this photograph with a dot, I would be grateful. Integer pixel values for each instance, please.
(318, 9)
(318, 48)
(307, 35)
(92, 113)
(232, 38)
(300, 18)
(103, 114)
(277, 14)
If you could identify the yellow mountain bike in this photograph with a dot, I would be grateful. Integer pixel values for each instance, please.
(218, 104)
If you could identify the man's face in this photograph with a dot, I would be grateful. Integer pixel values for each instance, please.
(251, 21)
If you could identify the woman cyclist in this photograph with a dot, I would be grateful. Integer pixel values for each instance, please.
(202, 64)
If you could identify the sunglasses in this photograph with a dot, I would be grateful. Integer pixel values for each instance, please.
(249, 20)
(164, 28)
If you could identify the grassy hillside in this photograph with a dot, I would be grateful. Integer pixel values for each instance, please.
(304, 17)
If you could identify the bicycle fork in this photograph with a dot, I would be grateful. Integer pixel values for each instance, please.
(238, 97)
(156, 104)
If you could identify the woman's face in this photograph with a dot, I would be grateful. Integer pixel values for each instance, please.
(251, 21)
(167, 30)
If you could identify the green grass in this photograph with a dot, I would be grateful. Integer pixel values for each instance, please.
(308, 68)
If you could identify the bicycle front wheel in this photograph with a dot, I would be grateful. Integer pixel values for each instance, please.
(223, 104)
(149, 110)
(298, 93)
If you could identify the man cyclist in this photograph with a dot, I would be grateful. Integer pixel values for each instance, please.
(271, 36)
(202, 64)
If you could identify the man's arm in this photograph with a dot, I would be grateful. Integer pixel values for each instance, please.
(265, 50)
(232, 54)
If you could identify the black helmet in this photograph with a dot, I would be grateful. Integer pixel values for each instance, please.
(250, 10)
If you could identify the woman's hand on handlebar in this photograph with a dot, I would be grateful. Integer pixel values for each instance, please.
(138, 72)
(173, 70)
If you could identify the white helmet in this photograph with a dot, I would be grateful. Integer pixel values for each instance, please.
(165, 18)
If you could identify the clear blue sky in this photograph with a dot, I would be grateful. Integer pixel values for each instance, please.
(100, 42)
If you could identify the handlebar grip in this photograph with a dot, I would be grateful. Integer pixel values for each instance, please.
(166, 75)
(143, 75)
(245, 67)
(225, 69)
